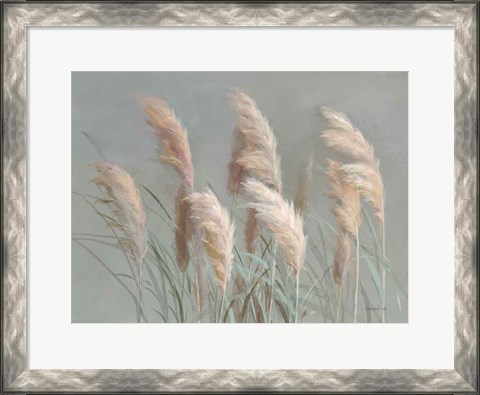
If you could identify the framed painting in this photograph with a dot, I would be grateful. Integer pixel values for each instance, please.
(239, 197)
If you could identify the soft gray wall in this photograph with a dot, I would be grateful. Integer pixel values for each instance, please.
(102, 106)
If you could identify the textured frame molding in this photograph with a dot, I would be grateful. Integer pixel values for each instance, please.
(17, 16)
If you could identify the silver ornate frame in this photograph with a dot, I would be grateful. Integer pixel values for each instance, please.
(17, 16)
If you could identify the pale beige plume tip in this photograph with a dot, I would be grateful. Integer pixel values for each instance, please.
(123, 196)
(254, 149)
(172, 135)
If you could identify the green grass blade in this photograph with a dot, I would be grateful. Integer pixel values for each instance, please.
(249, 295)
(157, 200)
(230, 305)
(94, 145)
(282, 310)
(375, 277)
(124, 286)
(255, 258)
(160, 314)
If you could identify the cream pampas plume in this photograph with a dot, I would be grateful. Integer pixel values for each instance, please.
(213, 221)
(127, 207)
(173, 138)
(280, 217)
(254, 153)
(345, 138)
(303, 186)
(254, 150)
(347, 199)
(172, 135)
(369, 182)
(284, 223)
(129, 216)
(347, 212)
(365, 172)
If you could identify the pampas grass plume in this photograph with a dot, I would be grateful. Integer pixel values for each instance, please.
(210, 218)
(172, 135)
(252, 230)
(254, 150)
(303, 186)
(127, 207)
(282, 220)
(343, 190)
(365, 173)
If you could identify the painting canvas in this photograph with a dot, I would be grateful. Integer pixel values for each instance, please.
(239, 197)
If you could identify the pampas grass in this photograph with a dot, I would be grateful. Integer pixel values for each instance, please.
(212, 220)
(252, 230)
(347, 211)
(342, 254)
(365, 172)
(129, 216)
(343, 191)
(183, 231)
(282, 220)
(254, 154)
(201, 275)
(236, 172)
(172, 135)
(345, 138)
(127, 207)
(303, 186)
(280, 217)
(254, 150)
(204, 231)
(369, 182)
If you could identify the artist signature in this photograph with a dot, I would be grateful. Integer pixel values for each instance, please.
(381, 308)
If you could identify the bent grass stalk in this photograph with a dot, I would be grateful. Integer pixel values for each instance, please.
(106, 219)
(357, 280)
(272, 282)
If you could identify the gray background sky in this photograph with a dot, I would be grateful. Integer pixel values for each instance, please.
(103, 107)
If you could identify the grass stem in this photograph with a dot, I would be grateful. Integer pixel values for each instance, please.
(357, 281)
(222, 303)
(340, 297)
(296, 301)
(271, 292)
